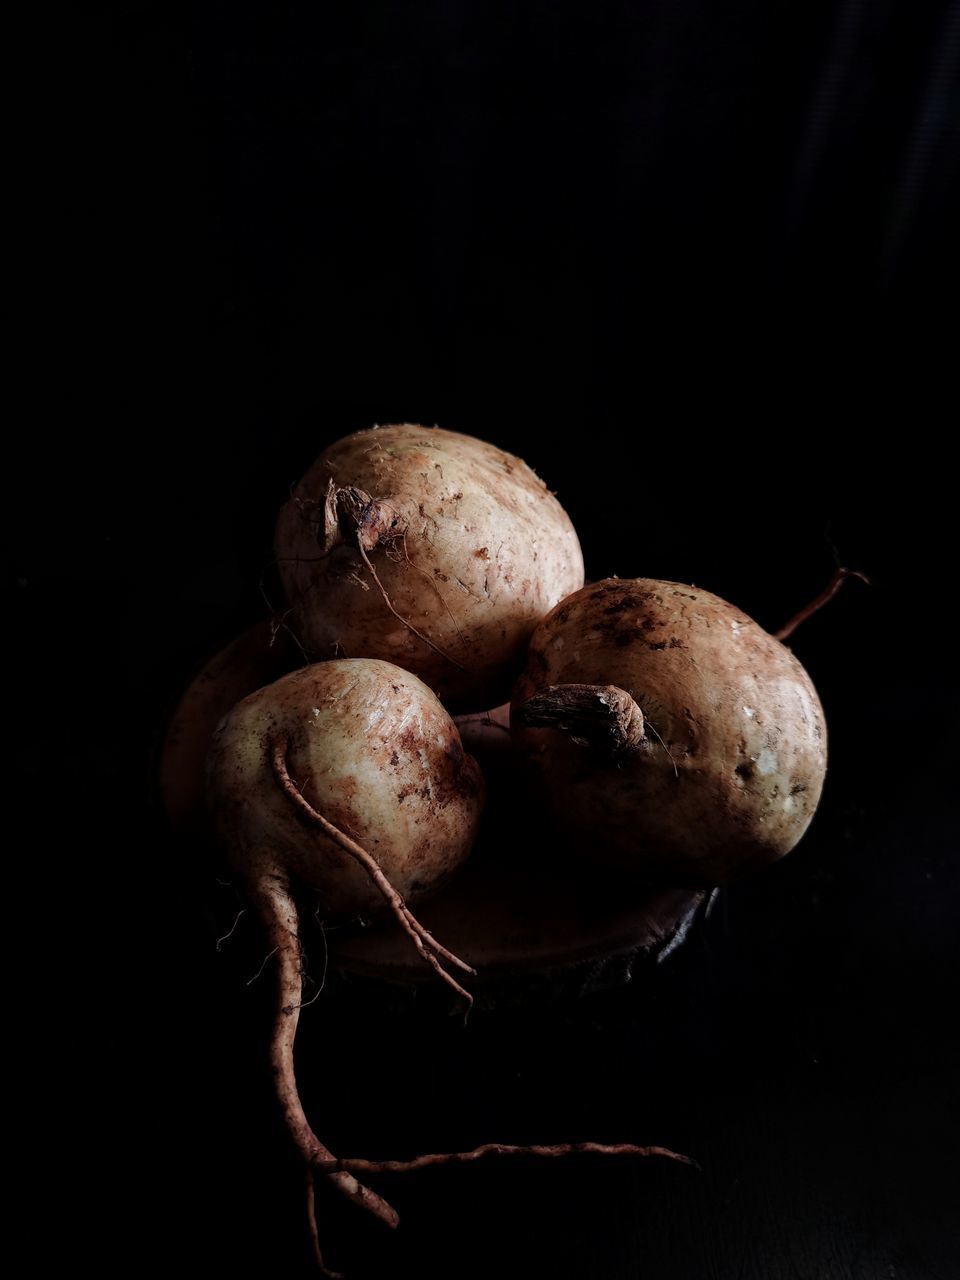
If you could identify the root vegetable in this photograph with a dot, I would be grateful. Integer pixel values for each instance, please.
(429, 549)
(359, 747)
(667, 734)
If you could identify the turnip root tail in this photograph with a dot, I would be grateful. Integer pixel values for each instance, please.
(279, 915)
(598, 715)
(429, 948)
(502, 1149)
(825, 596)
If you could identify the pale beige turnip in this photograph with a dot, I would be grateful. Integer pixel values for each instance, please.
(667, 735)
(344, 783)
(372, 749)
(429, 549)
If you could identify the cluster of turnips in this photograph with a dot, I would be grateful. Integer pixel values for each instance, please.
(658, 731)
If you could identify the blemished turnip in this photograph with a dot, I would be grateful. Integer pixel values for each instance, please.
(429, 549)
(355, 746)
(668, 735)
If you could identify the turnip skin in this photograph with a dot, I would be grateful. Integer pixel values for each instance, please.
(469, 545)
(726, 769)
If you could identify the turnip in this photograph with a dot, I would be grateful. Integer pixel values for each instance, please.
(429, 549)
(360, 747)
(667, 734)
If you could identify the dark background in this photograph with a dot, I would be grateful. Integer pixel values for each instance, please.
(689, 259)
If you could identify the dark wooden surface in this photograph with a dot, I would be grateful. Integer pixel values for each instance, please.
(688, 260)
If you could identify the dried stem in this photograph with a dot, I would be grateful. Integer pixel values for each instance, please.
(422, 939)
(825, 596)
(599, 715)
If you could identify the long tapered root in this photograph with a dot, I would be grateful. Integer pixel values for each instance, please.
(279, 914)
(501, 1149)
(428, 947)
(274, 902)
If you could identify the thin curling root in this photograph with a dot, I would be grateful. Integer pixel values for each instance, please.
(499, 1149)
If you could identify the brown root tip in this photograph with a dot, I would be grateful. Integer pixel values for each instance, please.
(825, 596)
(597, 715)
(321, 1266)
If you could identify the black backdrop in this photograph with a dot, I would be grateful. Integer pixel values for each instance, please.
(688, 259)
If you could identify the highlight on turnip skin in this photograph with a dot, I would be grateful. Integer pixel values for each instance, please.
(429, 549)
(667, 735)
